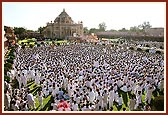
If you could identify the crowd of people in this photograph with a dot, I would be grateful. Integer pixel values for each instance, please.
(88, 77)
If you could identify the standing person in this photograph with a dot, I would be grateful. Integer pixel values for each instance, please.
(119, 102)
(138, 99)
(132, 103)
(100, 101)
(91, 96)
(105, 97)
(40, 98)
(31, 101)
(75, 106)
(111, 97)
(24, 79)
(149, 94)
(7, 100)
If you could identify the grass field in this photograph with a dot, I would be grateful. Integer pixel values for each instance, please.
(47, 101)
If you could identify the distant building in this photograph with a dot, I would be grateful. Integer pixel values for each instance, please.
(151, 34)
(155, 32)
(63, 27)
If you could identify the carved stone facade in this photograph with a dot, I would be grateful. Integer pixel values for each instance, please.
(63, 27)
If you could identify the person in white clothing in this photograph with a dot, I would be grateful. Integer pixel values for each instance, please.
(120, 102)
(40, 98)
(31, 101)
(91, 96)
(138, 99)
(105, 97)
(149, 94)
(111, 97)
(75, 106)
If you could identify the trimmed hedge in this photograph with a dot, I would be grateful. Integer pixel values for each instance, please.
(147, 45)
(31, 45)
(161, 47)
(158, 52)
(139, 49)
(131, 48)
(147, 50)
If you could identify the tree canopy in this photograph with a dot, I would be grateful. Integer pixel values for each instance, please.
(102, 26)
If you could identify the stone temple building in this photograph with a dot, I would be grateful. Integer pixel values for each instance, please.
(63, 27)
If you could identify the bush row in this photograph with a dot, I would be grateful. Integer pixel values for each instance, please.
(147, 50)
(8, 63)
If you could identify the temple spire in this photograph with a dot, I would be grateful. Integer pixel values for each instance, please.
(64, 10)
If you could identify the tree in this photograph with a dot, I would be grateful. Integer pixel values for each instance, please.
(93, 30)
(29, 31)
(123, 30)
(5, 28)
(102, 26)
(145, 25)
(112, 30)
(135, 29)
(19, 31)
(41, 29)
(86, 31)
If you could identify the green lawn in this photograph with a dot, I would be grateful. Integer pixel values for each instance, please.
(33, 40)
(47, 101)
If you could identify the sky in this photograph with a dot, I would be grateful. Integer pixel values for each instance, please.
(116, 15)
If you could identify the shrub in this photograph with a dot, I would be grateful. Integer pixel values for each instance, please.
(139, 49)
(131, 48)
(30, 40)
(15, 83)
(58, 44)
(161, 47)
(158, 103)
(7, 78)
(8, 65)
(6, 69)
(23, 47)
(31, 45)
(38, 45)
(147, 50)
(147, 45)
(42, 43)
(10, 61)
(158, 52)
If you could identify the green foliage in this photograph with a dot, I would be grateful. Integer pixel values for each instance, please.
(41, 29)
(158, 103)
(145, 25)
(15, 83)
(147, 50)
(85, 29)
(7, 78)
(31, 45)
(139, 49)
(38, 45)
(6, 69)
(161, 47)
(131, 48)
(19, 30)
(8, 65)
(10, 61)
(158, 52)
(147, 45)
(102, 26)
(123, 30)
(5, 28)
(93, 30)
